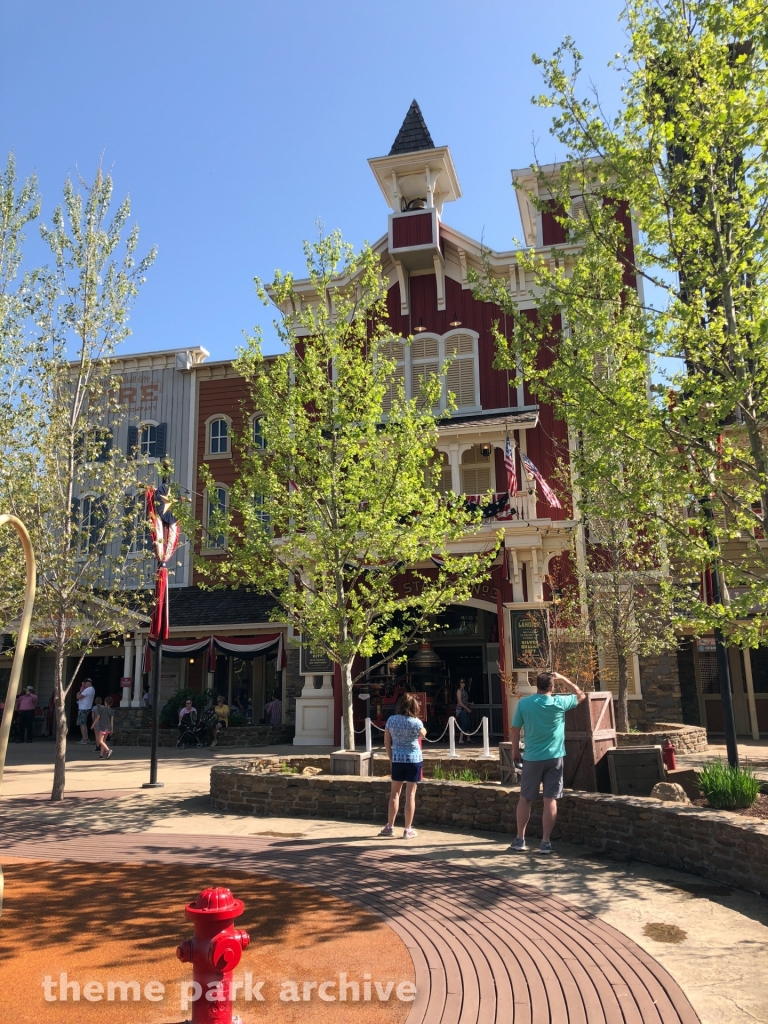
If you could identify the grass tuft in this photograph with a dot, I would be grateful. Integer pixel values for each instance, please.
(451, 775)
(726, 788)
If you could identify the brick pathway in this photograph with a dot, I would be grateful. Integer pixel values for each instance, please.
(485, 950)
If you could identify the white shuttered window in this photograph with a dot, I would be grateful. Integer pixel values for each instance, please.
(425, 362)
(394, 350)
(475, 472)
(460, 375)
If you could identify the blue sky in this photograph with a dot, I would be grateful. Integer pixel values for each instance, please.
(235, 124)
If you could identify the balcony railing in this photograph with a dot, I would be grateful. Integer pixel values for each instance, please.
(522, 507)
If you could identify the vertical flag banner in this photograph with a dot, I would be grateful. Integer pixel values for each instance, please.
(164, 530)
(509, 465)
(546, 491)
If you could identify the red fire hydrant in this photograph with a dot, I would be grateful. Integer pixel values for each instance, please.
(668, 755)
(214, 952)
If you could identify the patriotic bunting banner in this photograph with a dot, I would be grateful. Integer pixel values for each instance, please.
(245, 647)
(546, 491)
(164, 530)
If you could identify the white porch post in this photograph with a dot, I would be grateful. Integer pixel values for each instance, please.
(127, 674)
(137, 673)
(454, 461)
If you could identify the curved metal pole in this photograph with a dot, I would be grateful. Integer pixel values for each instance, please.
(21, 641)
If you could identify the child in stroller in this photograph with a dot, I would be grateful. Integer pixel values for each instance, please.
(188, 726)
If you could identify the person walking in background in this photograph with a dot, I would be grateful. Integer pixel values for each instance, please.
(25, 705)
(402, 742)
(221, 708)
(85, 698)
(103, 718)
(146, 698)
(542, 716)
(274, 711)
(463, 709)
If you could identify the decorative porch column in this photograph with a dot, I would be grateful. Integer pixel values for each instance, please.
(137, 672)
(127, 674)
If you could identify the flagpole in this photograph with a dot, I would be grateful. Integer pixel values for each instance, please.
(153, 783)
(165, 541)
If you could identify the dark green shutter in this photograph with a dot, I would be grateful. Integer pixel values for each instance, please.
(162, 440)
(133, 442)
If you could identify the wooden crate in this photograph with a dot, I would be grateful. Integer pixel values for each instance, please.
(590, 731)
(634, 771)
(510, 776)
(352, 762)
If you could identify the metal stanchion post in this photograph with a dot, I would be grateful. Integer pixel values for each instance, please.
(368, 737)
(486, 745)
(342, 747)
(452, 737)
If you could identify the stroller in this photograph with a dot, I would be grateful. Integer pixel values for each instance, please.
(197, 734)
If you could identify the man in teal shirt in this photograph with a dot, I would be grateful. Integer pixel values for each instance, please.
(542, 716)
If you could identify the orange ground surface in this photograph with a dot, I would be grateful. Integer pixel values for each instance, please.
(112, 922)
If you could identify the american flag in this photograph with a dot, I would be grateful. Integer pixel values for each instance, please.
(509, 465)
(546, 491)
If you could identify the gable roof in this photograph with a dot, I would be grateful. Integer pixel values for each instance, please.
(413, 134)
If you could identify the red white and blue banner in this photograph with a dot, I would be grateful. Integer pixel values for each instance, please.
(509, 466)
(245, 647)
(165, 533)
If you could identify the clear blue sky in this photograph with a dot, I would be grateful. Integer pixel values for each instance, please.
(235, 124)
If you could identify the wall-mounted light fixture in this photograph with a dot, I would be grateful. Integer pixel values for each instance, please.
(191, 661)
(486, 449)
(420, 327)
(455, 322)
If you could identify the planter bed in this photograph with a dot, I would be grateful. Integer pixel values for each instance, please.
(714, 844)
(688, 739)
(381, 765)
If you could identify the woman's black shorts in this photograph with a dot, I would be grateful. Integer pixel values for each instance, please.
(409, 771)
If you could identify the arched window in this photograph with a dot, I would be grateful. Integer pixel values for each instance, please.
(217, 505)
(138, 539)
(475, 471)
(91, 525)
(148, 440)
(219, 437)
(257, 433)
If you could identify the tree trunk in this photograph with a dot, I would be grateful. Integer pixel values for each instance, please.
(622, 704)
(60, 725)
(346, 697)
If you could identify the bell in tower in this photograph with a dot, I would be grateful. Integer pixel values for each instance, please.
(417, 178)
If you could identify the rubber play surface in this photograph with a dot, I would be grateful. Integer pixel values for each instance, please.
(120, 924)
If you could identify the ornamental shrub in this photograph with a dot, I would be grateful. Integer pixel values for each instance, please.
(727, 788)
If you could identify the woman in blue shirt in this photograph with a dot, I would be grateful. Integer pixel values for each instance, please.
(401, 741)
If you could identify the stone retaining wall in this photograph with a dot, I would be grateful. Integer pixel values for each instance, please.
(713, 844)
(688, 739)
(236, 736)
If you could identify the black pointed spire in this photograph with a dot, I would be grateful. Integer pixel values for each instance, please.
(413, 134)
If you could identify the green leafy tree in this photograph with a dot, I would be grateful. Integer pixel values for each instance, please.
(60, 473)
(681, 301)
(339, 503)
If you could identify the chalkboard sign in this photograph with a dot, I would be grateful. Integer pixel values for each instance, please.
(529, 638)
(314, 662)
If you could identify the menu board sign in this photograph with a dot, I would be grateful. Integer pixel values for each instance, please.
(529, 638)
(314, 662)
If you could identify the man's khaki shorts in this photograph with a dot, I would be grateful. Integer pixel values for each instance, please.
(548, 773)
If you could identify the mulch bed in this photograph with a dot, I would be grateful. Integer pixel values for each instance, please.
(758, 810)
(115, 922)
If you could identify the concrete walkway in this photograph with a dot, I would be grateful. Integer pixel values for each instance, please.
(712, 940)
